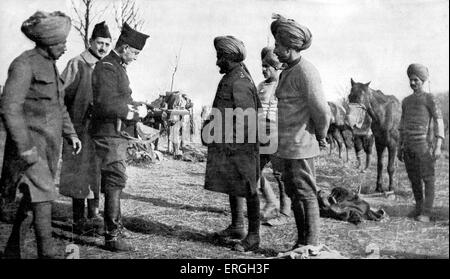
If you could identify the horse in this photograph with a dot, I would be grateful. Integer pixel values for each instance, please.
(339, 132)
(385, 112)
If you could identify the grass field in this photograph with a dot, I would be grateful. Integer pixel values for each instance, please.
(171, 216)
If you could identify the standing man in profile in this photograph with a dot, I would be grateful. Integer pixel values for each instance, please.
(233, 167)
(419, 110)
(271, 69)
(114, 116)
(303, 120)
(35, 117)
(80, 175)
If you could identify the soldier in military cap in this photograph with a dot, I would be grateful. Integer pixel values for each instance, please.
(35, 117)
(233, 168)
(114, 115)
(80, 175)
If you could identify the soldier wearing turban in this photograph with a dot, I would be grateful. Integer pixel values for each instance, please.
(419, 70)
(290, 34)
(303, 120)
(80, 174)
(36, 119)
(420, 146)
(233, 167)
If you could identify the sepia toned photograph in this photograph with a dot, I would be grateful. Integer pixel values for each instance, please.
(224, 130)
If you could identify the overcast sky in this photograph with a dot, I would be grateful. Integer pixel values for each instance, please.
(367, 40)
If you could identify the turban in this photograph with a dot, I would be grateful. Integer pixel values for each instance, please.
(419, 70)
(132, 37)
(101, 30)
(47, 28)
(267, 56)
(290, 34)
(230, 48)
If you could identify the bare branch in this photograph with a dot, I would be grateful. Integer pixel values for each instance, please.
(128, 12)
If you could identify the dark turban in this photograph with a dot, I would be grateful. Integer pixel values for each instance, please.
(101, 30)
(419, 70)
(230, 47)
(47, 28)
(267, 56)
(290, 34)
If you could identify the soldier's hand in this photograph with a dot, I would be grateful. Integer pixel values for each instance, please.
(76, 145)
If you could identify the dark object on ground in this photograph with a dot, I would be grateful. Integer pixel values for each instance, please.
(342, 204)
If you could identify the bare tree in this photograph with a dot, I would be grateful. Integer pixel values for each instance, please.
(86, 12)
(127, 11)
(177, 59)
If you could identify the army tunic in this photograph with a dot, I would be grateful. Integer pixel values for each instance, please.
(112, 95)
(419, 113)
(32, 107)
(233, 168)
(79, 173)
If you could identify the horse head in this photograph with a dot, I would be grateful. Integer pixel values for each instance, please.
(359, 104)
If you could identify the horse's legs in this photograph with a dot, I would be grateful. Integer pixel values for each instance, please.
(337, 137)
(330, 140)
(392, 149)
(368, 149)
(380, 150)
(344, 138)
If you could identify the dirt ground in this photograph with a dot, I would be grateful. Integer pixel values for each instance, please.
(171, 216)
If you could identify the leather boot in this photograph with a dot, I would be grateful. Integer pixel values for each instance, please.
(80, 224)
(251, 241)
(123, 231)
(43, 230)
(285, 201)
(428, 202)
(312, 221)
(418, 196)
(94, 217)
(236, 229)
(270, 209)
(114, 241)
(367, 161)
(299, 215)
(358, 160)
(21, 227)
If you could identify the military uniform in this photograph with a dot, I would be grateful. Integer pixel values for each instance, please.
(419, 110)
(112, 123)
(35, 116)
(79, 174)
(112, 95)
(233, 168)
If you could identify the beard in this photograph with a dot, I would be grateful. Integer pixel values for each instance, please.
(224, 67)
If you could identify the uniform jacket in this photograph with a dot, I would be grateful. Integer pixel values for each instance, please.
(233, 168)
(35, 117)
(420, 113)
(112, 95)
(79, 173)
(303, 113)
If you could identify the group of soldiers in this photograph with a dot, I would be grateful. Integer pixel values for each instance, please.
(91, 107)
